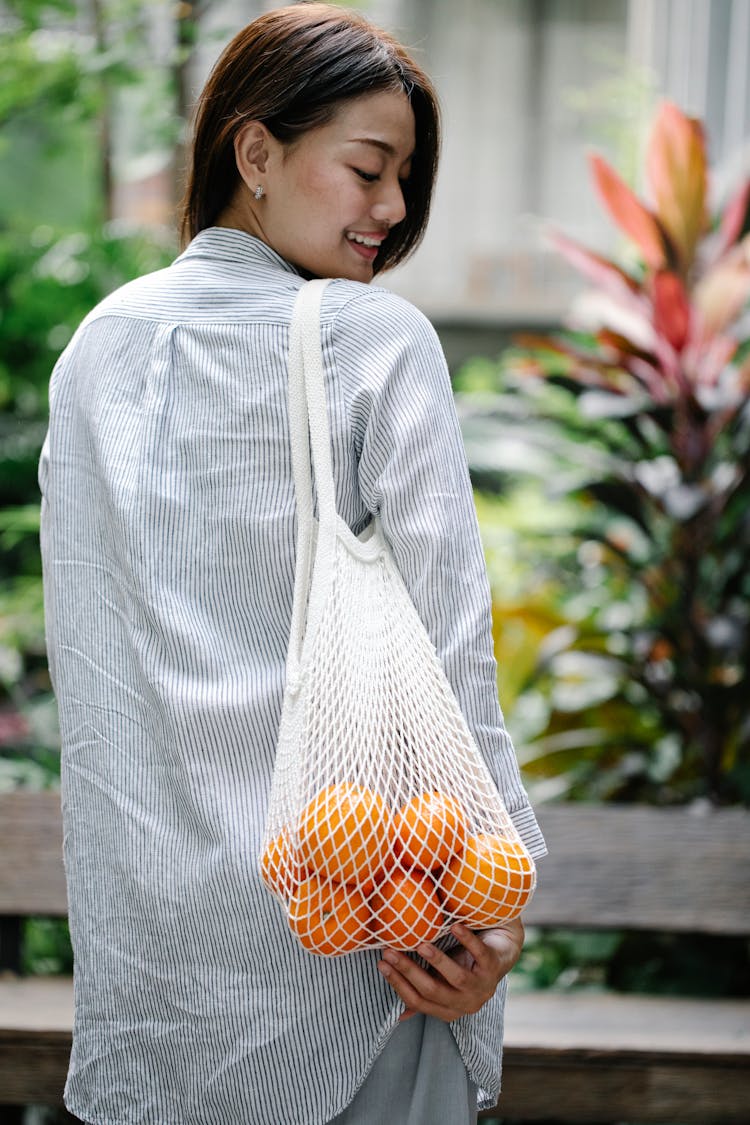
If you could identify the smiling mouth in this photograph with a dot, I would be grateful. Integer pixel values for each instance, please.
(365, 245)
(366, 239)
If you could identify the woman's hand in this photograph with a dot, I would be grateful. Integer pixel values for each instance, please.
(460, 981)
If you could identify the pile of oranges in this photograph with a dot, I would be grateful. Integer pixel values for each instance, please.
(356, 873)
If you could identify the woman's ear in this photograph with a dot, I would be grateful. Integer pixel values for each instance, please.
(251, 149)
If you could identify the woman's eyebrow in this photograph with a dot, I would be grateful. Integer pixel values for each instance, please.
(383, 145)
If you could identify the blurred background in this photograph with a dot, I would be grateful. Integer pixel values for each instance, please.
(604, 407)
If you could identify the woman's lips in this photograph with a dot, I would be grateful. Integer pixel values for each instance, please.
(369, 253)
(366, 243)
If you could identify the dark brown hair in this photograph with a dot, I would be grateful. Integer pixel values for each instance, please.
(291, 69)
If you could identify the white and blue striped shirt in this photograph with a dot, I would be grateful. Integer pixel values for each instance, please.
(168, 538)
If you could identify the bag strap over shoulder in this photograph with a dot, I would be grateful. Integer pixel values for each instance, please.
(307, 404)
(310, 434)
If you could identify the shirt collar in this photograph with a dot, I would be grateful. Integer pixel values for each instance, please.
(229, 245)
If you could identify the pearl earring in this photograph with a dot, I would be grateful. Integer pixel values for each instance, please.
(259, 192)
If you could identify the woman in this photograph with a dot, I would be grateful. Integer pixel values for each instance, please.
(169, 545)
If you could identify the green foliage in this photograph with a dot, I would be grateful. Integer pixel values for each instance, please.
(617, 108)
(63, 68)
(46, 946)
(48, 282)
(637, 428)
(61, 59)
(28, 87)
(590, 579)
(34, 14)
(653, 963)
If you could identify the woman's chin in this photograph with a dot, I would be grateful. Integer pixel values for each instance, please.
(358, 271)
(347, 270)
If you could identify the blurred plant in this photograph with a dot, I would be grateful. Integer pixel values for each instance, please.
(649, 402)
(46, 946)
(581, 730)
(618, 108)
(99, 65)
(70, 74)
(632, 961)
(48, 282)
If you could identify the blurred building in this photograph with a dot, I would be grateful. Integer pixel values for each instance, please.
(527, 87)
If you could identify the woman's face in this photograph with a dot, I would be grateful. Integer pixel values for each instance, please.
(331, 197)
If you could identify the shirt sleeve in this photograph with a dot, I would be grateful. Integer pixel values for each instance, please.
(45, 520)
(413, 474)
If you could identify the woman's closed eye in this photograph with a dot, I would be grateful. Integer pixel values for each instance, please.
(368, 177)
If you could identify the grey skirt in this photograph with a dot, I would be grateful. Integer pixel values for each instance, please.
(418, 1079)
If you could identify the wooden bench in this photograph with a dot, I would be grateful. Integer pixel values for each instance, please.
(605, 1057)
(569, 1056)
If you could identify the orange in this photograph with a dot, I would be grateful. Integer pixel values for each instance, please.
(429, 829)
(280, 868)
(490, 882)
(346, 834)
(406, 910)
(329, 918)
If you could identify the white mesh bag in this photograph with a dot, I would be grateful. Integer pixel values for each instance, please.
(384, 825)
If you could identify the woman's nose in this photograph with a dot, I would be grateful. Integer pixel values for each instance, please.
(390, 206)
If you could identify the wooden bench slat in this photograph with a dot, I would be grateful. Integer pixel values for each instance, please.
(556, 1021)
(628, 867)
(33, 1073)
(41, 1005)
(33, 878)
(562, 1021)
(581, 1088)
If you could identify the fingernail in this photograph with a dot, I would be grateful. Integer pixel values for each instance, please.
(426, 951)
(390, 957)
(384, 970)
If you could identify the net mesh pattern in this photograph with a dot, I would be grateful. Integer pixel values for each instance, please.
(384, 826)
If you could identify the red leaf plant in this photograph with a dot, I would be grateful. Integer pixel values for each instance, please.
(659, 364)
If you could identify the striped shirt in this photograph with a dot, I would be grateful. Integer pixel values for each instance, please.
(168, 540)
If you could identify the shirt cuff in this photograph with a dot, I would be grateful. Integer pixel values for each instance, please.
(526, 825)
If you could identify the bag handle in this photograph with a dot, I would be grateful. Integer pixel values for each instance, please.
(310, 433)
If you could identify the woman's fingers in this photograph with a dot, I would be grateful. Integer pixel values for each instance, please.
(453, 984)
(445, 964)
(473, 944)
(420, 990)
(428, 999)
